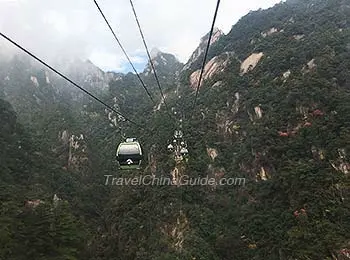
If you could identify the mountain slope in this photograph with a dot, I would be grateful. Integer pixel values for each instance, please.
(273, 109)
(34, 221)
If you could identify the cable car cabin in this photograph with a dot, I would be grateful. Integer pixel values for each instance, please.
(184, 151)
(129, 154)
(170, 148)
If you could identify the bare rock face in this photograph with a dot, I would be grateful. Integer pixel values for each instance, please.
(298, 37)
(286, 74)
(201, 48)
(269, 32)
(258, 112)
(215, 65)
(250, 63)
(212, 153)
(35, 81)
(311, 64)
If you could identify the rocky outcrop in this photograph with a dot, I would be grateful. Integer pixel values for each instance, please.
(298, 37)
(341, 164)
(286, 74)
(201, 48)
(212, 153)
(175, 232)
(269, 32)
(214, 66)
(258, 112)
(35, 81)
(166, 64)
(75, 150)
(250, 63)
(310, 66)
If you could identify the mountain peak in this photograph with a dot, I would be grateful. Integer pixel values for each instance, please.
(155, 52)
(217, 33)
(162, 61)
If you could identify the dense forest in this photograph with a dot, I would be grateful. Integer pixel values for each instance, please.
(273, 108)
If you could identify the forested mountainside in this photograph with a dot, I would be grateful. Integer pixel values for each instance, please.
(273, 108)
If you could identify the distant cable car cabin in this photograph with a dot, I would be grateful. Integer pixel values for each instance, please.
(129, 154)
(170, 147)
(184, 151)
(178, 134)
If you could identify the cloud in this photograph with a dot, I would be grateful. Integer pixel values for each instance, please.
(107, 60)
(75, 28)
(112, 62)
(138, 59)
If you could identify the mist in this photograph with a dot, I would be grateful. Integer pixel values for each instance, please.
(74, 29)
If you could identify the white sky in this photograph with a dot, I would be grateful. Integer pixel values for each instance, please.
(75, 28)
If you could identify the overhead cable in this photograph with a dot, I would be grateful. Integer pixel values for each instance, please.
(148, 54)
(123, 50)
(206, 52)
(69, 80)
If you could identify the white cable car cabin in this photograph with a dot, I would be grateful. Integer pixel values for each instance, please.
(178, 134)
(183, 151)
(129, 154)
(170, 147)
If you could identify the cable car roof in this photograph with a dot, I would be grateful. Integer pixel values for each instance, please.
(183, 150)
(129, 148)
